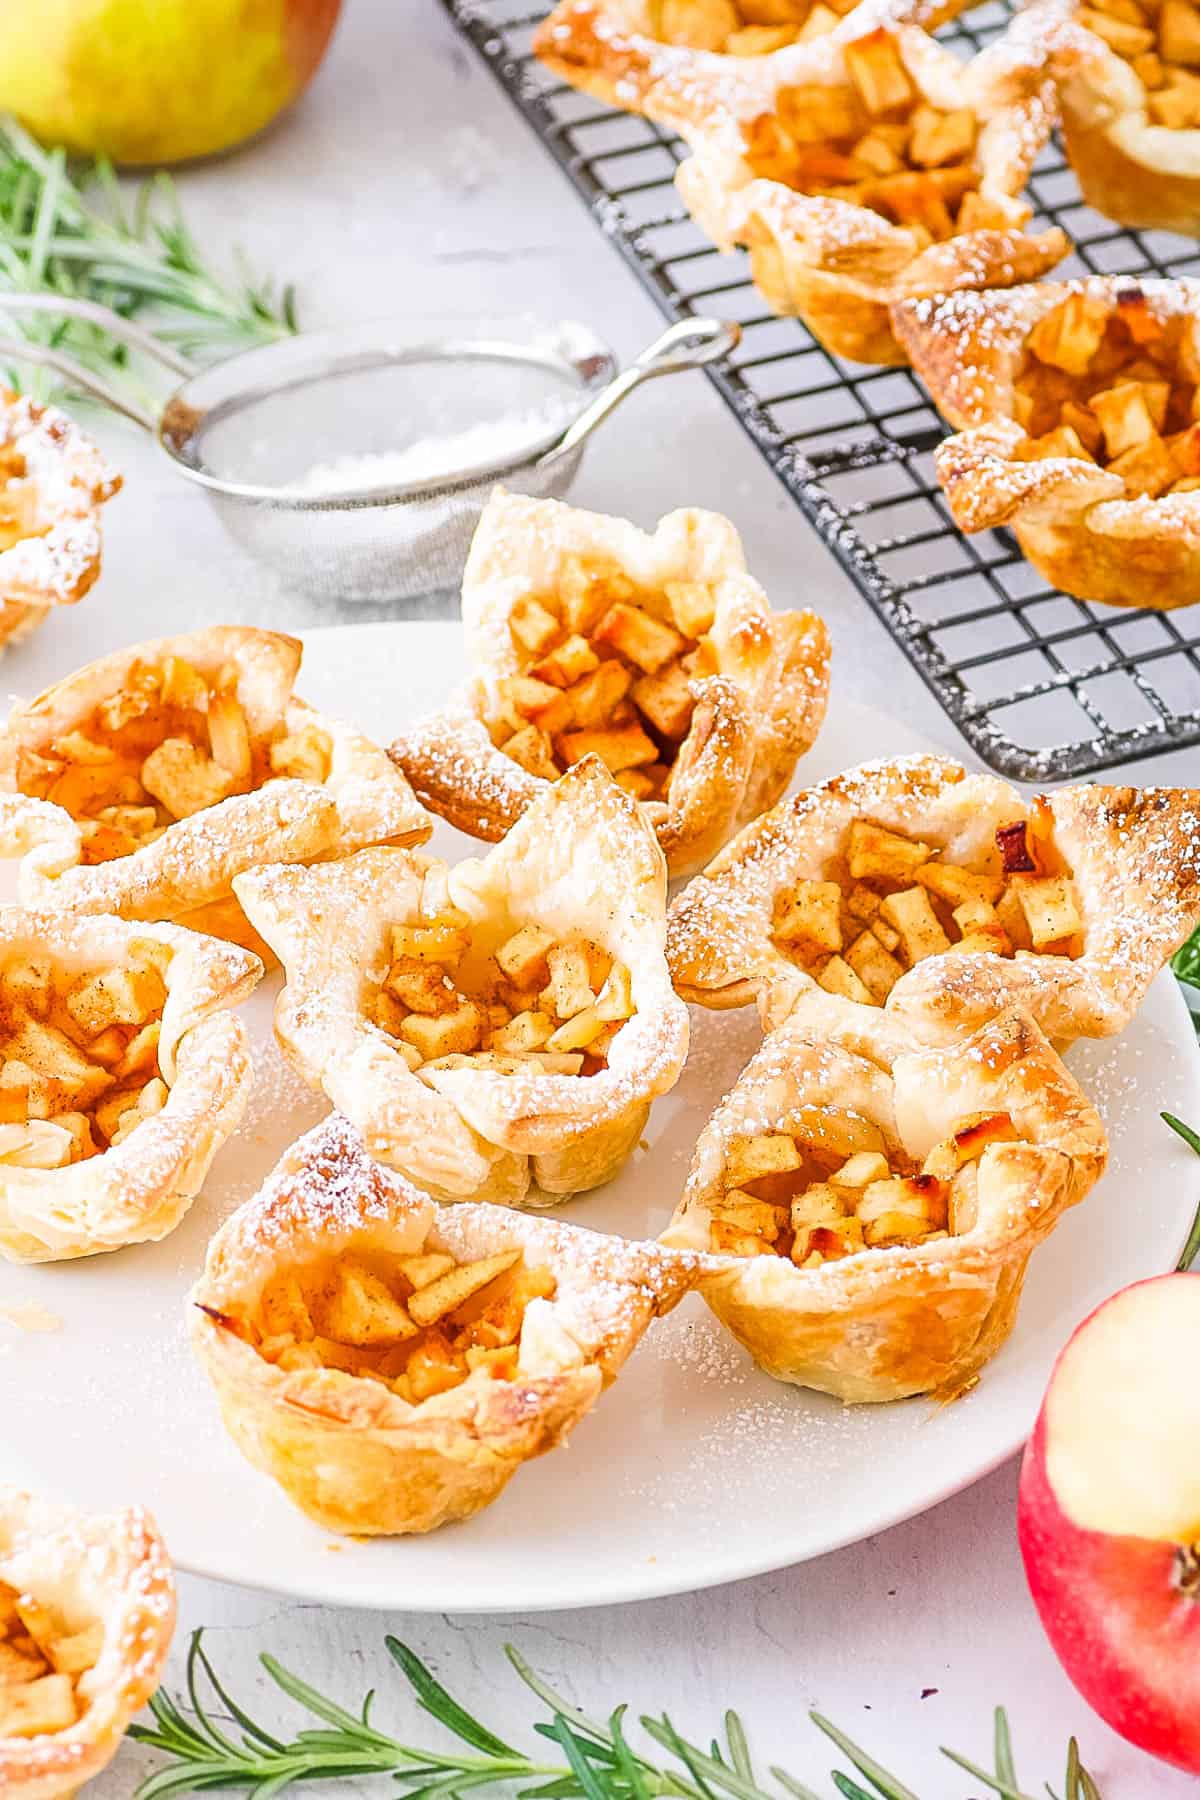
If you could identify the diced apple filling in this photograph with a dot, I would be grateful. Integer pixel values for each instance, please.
(1160, 40)
(1107, 382)
(898, 903)
(418, 1324)
(606, 672)
(533, 1001)
(825, 1188)
(78, 1058)
(170, 743)
(42, 1655)
(875, 141)
(743, 27)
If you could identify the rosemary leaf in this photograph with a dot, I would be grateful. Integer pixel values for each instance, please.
(1186, 960)
(888, 1786)
(1002, 1747)
(433, 1699)
(850, 1788)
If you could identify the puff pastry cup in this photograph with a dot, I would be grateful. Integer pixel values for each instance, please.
(87, 1611)
(53, 482)
(875, 1204)
(617, 49)
(1129, 99)
(392, 1363)
(656, 652)
(946, 896)
(122, 1072)
(1077, 410)
(866, 167)
(157, 774)
(496, 1030)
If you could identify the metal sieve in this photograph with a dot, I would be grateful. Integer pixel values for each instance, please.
(306, 447)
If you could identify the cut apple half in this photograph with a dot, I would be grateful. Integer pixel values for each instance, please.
(1123, 1416)
(1108, 1515)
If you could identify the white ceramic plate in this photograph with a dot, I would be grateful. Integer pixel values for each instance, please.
(695, 1469)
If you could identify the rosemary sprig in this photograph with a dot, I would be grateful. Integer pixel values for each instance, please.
(598, 1762)
(1191, 1138)
(85, 237)
(1186, 960)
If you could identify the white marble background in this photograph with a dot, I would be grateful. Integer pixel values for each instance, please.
(404, 184)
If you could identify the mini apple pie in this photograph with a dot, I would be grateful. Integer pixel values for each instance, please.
(122, 1072)
(1077, 408)
(945, 896)
(87, 1610)
(171, 766)
(876, 1204)
(617, 49)
(656, 653)
(865, 167)
(496, 1030)
(1127, 74)
(53, 483)
(391, 1364)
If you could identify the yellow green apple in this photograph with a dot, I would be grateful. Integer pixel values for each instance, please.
(160, 82)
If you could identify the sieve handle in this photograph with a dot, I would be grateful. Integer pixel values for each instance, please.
(689, 344)
(22, 350)
(92, 313)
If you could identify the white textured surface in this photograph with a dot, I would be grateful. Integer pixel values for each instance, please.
(406, 184)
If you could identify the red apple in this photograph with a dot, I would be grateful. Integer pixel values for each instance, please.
(1109, 1514)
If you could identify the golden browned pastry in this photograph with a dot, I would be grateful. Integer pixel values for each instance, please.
(87, 1609)
(617, 49)
(865, 167)
(656, 652)
(1078, 413)
(496, 1030)
(392, 1364)
(946, 896)
(171, 766)
(875, 1204)
(54, 482)
(122, 1072)
(1129, 97)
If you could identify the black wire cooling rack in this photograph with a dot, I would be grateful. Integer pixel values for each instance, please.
(1042, 686)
